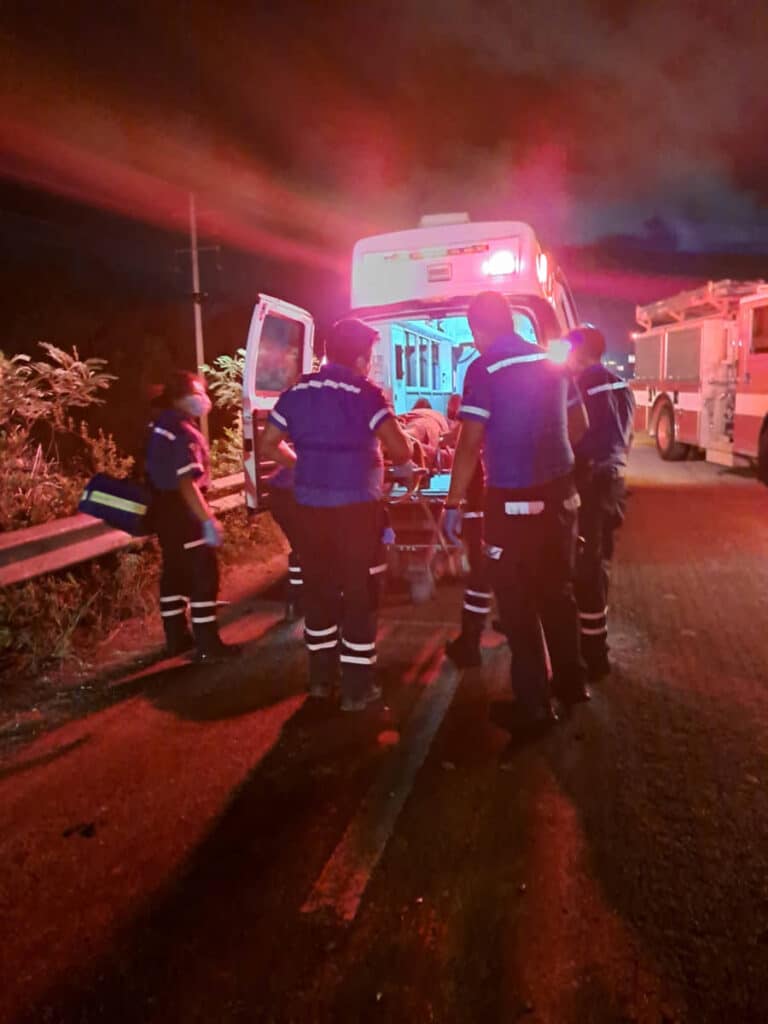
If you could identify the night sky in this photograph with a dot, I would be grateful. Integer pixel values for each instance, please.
(302, 126)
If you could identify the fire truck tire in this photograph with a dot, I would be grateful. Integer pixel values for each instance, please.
(668, 448)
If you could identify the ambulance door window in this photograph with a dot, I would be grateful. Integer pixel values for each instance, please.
(280, 353)
(525, 327)
(760, 329)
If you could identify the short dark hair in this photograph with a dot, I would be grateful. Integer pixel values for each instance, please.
(178, 384)
(490, 312)
(422, 403)
(588, 338)
(349, 340)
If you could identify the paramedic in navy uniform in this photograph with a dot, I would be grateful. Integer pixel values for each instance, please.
(177, 470)
(601, 463)
(335, 419)
(522, 411)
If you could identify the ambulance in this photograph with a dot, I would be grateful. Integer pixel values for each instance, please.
(701, 371)
(414, 287)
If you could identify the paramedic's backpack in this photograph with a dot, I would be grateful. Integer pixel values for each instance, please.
(123, 504)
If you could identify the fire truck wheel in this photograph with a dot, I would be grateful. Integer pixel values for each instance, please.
(668, 448)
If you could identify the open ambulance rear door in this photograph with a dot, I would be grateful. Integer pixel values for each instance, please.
(279, 348)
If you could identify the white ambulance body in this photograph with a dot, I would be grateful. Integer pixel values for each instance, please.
(414, 287)
(701, 371)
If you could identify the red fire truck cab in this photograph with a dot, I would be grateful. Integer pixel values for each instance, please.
(701, 371)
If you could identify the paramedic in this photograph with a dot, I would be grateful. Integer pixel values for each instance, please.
(177, 469)
(525, 412)
(285, 512)
(601, 462)
(336, 418)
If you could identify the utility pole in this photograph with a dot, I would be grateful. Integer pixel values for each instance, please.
(197, 298)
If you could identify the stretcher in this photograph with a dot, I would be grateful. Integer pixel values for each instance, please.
(420, 554)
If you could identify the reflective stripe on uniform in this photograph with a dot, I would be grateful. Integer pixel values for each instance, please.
(325, 645)
(593, 615)
(377, 418)
(534, 357)
(594, 632)
(204, 604)
(122, 504)
(164, 433)
(615, 386)
(207, 618)
(376, 569)
(475, 410)
(174, 597)
(474, 515)
(358, 647)
(334, 384)
(474, 608)
(176, 611)
(320, 632)
(523, 508)
(194, 543)
(190, 465)
(282, 421)
(348, 659)
(477, 593)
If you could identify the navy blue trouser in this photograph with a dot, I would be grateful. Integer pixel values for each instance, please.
(532, 568)
(478, 595)
(285, 512)
(603, 499)
(343, 561)
(189, 574)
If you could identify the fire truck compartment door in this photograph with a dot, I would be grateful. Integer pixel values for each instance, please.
(279, 348)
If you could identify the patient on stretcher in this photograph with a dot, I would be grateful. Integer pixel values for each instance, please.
(433, 435)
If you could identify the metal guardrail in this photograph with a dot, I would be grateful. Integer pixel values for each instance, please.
(62, 543)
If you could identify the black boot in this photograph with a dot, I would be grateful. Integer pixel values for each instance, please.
(178, 638)
(209, 647)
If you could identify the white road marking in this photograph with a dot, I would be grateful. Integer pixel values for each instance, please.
(343, 880)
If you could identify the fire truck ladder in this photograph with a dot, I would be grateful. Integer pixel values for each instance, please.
(716, 298)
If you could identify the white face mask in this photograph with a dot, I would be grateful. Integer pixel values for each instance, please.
(196, 405)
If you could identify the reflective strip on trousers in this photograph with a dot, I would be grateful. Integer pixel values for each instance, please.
(326, 645)
(320, 632)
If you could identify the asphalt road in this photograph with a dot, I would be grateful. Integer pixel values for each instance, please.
(207, 846)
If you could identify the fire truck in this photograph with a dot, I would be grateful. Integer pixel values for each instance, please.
(414, 287)
(701, 371)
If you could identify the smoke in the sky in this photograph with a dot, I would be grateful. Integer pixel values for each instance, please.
(585, 118)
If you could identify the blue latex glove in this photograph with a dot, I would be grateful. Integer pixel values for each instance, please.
(451, 524)
(213, 535)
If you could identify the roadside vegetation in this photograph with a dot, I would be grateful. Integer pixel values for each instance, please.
(47, 452)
